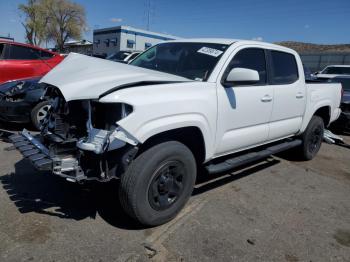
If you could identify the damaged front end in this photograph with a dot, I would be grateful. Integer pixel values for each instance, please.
(80, 140)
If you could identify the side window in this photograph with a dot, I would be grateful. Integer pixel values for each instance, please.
(1, 49)
(23, 53)
(250, 58)
(6, 51)
(45, 55)
(284, 69)
(130, 43)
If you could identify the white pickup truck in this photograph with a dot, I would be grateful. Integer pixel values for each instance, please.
(180, 105)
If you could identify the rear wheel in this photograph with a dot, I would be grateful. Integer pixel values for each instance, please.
(158, 183)
(312, 138)
(39, 113)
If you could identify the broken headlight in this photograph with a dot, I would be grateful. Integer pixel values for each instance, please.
(106, 115)
(19, 86)
(15, 91)
(103, 131)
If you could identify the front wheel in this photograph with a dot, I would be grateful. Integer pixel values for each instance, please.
(158, 183)
(39, 113)
(312, 138)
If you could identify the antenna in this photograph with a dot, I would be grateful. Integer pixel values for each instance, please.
(148, 13)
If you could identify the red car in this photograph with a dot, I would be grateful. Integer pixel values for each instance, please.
(19, 61)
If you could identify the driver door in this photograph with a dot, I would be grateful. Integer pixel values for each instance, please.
(244, 109)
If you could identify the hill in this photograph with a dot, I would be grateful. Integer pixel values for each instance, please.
(315, 48)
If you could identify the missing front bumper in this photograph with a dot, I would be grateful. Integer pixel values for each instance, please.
(75, 166)
(32, 149)
(39, 155)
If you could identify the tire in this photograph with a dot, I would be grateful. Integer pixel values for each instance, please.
(158, 183)
(312, 138)
(39, 113)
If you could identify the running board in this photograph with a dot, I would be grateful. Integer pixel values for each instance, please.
(250, 157)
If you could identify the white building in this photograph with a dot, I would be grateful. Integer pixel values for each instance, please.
(125, 38)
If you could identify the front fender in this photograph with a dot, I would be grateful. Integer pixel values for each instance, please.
(165, 107)
(166, 123)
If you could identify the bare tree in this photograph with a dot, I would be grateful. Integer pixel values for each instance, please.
(53, 20)
(66, 21)
(34, 21)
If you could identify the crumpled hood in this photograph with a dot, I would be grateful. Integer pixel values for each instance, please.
(84, 77)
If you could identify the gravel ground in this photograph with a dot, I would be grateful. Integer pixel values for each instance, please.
(276, 210)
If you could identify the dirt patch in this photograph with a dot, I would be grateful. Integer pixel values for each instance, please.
(342, 237)
(291, 258)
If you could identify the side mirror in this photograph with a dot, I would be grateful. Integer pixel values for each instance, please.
(316, 73)
(242, 76)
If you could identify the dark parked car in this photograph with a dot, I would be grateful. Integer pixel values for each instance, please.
(343, 122)
(22, 101)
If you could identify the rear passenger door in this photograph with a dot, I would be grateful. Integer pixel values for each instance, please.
(287, 79)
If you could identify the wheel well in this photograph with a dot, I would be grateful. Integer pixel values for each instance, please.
(324, 113)
(190, 136)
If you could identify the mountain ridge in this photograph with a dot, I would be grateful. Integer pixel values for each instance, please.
(302, 47)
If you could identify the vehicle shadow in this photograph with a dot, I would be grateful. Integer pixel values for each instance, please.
(8, 129)
(43, 193)
(206, 182)
(13, 127)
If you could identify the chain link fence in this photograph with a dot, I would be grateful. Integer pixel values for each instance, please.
(318, 61)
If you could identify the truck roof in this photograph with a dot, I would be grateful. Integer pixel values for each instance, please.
(228, 41)
(27, 45)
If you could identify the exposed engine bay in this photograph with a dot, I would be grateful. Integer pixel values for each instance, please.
(83, 139)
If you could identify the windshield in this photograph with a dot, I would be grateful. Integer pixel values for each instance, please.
(118, 56)
(337, 70)
(191, 60)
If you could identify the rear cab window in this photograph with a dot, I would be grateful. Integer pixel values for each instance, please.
(283, 68)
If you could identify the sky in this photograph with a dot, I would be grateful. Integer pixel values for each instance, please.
(312, 21)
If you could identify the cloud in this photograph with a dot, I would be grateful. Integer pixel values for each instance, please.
(306, 26)
(258, 38)
(115, 20)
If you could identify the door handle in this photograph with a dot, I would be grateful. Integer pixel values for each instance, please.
(299, 95)
(266, 98)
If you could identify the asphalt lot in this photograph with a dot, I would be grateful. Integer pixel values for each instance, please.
(276, 210)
